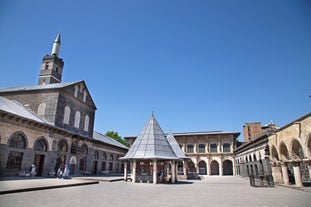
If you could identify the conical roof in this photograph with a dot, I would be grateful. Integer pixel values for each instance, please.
(151, 144)
(175, 146)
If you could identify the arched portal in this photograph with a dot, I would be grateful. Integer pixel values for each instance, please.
(274, 154)
(72, 164)
(227, 167)
(214, 168)
(40, 147)
(297, 150)
(284, 152)
(202, 168)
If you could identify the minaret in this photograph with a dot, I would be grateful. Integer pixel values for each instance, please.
(52, 66)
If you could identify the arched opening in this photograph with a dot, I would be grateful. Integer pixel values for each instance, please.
(227, 167)
(180, 168)
(309, 145)
(274, 154)
(104, 162)
(297, 151)
(214, 168)
(40, 147)
(62, 149)
(83, 158)
(191, 170)
(284, 152)
(72, 165)
(202, 168)
(111, 163)
(17, 144)
(95, 162)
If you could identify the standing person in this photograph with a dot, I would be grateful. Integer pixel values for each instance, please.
(66, 172)
(33, 170)
(59, 173)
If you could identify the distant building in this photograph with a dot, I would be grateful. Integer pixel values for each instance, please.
(290, 152)
(52, 124)
(281, 152)
(254, 129)
(209, 153)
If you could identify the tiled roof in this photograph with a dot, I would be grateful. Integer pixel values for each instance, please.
(103, 138)
(151, 144)
(18, 109)
(37, 87)
(175, 146)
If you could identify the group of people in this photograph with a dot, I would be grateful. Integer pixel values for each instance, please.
(64, 174)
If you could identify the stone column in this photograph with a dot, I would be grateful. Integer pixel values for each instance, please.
(134, 171)
(220, 168)
(297, 174)
(234, 170)
(276, 173)
(285, 175)
(173, 172)
(185, 168)
(155, 172)
(125, 171)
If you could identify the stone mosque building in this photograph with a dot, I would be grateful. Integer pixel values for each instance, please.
(52, 124)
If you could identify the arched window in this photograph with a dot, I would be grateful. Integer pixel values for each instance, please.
(41, 109)
(18, 141)
(62, 146)
(189, 148)
(77, 119)
(84, 149)
(201, 148)
(86, 123)
(40, 145)
(15, 157)
(66, 115)
(84, 95)
(76, 91)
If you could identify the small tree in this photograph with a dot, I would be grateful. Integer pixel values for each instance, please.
(114, 135)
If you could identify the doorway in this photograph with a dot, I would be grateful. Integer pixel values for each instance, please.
(39, 163)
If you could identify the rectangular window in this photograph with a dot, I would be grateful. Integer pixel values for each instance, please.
(201, 148)
(103, 166)
(82, 165)
(226, 147)
(15, 160)
(213, 148)
(190, 148)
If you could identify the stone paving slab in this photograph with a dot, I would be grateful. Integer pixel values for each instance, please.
(23, 185)
(214, 191)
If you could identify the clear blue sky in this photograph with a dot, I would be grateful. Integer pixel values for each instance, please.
(199, 65)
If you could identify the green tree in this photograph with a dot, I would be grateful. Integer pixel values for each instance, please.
(114, 135)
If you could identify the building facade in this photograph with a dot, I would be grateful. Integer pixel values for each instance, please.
(282, 152)
(252, 157)
(208, 153)
(290, 152)
(52, 124)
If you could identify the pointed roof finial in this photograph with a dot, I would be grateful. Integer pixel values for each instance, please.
(56, 45)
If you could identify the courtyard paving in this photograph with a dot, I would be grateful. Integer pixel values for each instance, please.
(214, 191)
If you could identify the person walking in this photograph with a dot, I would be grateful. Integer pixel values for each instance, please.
(66, 172)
